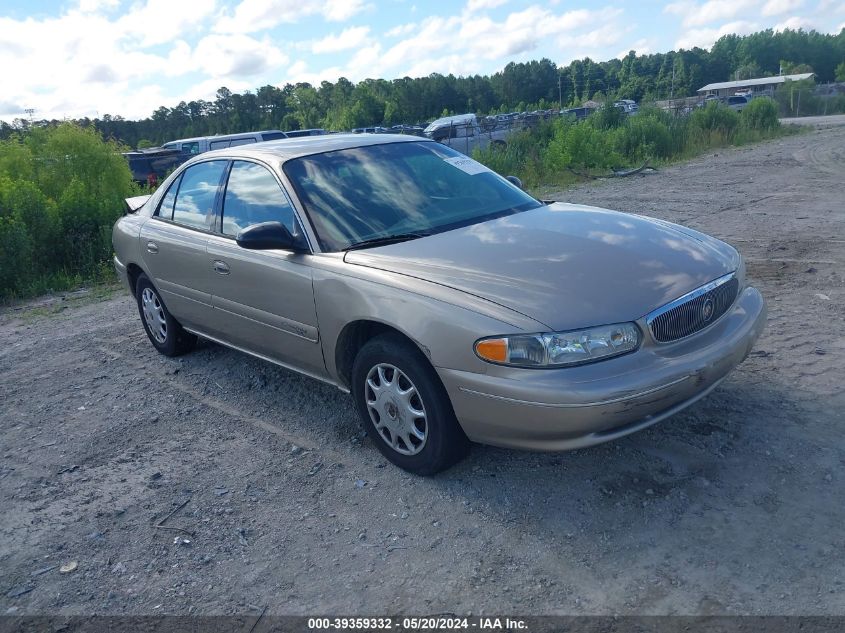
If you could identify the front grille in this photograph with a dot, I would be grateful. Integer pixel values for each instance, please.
(694, 311)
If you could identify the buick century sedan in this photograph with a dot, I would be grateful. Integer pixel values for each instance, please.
(451, 304)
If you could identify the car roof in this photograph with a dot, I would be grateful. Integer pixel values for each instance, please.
(218, 137)
(288, 148)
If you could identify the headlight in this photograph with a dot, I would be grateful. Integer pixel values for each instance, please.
(559, 349)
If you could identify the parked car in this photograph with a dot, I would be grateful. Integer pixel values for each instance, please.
(415, 130)
(452, 305)
(316, 131)
(737, 102)
(149, 166)
(464, 133)
(627, 106)
(202, 144)
(371, 130)
(577, 113)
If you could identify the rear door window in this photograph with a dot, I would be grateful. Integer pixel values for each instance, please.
(194, 205)
(165, 209)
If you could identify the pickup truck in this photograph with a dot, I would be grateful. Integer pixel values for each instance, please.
(464, 133)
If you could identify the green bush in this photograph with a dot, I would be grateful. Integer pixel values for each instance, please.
(760, 114)
(644, 137)
(521, 155)
(581, 145)
(546, 154)
(715, 117)
(61, 189)
(15, 255)
(607, 117)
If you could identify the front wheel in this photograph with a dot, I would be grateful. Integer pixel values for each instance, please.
(405, 408)
(165, 332)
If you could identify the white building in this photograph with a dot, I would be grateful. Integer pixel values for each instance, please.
(758, 86)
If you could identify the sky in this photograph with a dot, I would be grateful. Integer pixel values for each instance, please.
(78, 58)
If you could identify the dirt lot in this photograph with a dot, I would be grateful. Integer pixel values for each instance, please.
(735, 506)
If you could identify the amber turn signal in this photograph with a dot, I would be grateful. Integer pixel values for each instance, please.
(493, 349)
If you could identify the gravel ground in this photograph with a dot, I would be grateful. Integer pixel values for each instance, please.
(732, 507)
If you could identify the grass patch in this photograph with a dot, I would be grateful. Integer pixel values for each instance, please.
(60, 292)
(557, 154)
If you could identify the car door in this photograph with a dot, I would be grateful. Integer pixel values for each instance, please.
(263, 299)
(173, 242)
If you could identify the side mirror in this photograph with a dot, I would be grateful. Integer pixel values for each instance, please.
(515, 181)
(267, 236)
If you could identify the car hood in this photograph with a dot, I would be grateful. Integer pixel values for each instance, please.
(566, 266)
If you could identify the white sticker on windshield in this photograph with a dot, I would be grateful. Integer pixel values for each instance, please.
(467, 165)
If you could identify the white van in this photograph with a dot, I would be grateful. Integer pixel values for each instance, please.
(200, 144)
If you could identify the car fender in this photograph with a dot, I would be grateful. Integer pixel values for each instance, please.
(443, 323)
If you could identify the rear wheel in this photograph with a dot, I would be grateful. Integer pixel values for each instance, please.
(405, 408)
(165, 332)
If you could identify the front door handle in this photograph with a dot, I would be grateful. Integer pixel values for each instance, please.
(221, 268)
(152, 247)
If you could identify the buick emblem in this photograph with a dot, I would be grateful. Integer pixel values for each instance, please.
(707, 310)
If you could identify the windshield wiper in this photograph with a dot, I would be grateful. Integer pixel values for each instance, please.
(384, 240)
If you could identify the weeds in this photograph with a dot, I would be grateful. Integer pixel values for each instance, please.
(61, 189)
(551, 152)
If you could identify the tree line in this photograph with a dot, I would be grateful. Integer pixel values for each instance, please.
(344, 105)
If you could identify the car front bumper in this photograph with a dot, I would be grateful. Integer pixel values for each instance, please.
(562, 409)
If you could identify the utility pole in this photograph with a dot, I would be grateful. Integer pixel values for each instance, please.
(672, 94)
(30, 112)
(559, 92)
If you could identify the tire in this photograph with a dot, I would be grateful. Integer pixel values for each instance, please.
(392, 383)
(165, 332)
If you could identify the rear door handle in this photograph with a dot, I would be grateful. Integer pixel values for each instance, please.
(221, 268)
(152, 247)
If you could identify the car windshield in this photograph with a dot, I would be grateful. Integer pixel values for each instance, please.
(398, 190)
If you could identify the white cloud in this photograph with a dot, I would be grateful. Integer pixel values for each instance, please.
(236, 56)
(463, 44)
(777, 7)
(469, 38)
(401, 29)
(91, 6)
(795, 22)
(130, 56)
(706, 37)
(341, 10)
(642, 46)
(161, 21)
(698, 14)
(352, 37)
(476, 5)
(833, 6)
(258, 15)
